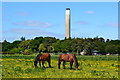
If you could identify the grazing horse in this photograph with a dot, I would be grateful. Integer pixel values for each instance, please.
(42, 57)
(68, 58)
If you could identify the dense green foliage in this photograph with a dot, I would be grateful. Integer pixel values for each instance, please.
(53, 45)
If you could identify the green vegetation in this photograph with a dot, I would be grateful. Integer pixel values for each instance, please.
(53, 45)
(21, 66)
(18, 57)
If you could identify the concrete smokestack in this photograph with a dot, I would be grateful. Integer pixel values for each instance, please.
(67, 23)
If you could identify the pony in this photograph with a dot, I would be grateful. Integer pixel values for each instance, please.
(68, 58)
(42, 58)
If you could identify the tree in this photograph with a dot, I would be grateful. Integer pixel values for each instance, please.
(115, 42)
(118, 49)
(96, 38)
(107, 40)
(99, 45)
(77, 45)
(110, 49)
(16, 50)
(65, 45)
(39, 39)
(0, 47)
(51, 44)
(56, 46)
(49, 39)
(16, 43)
(88, 48)
(25, 44)
(27, 51)
(102, 39)
(6, 46)
(50, 49)
(22, 38)
(34, 44)
(42, 48)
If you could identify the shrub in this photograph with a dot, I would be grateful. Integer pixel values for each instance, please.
(40, 69)
(28, 70)
(27, 51)
(15, 50)
(18, 68)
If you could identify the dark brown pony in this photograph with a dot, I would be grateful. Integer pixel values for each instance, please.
(68, 58)
(42, 58)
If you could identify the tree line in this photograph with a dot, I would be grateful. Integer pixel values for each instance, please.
(53, 45)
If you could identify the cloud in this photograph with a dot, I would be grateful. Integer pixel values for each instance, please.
(35, 32)
(90, 12)
(114, 24)
(82, 22)
(15, 34)
(22, 13)
(1, 31)
(33, 24)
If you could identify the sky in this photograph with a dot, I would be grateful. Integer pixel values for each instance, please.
(60, 0)
(35, 19)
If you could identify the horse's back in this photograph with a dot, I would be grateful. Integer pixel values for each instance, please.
(45, 56)
(67, 57)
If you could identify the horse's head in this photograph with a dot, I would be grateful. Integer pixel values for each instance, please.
(36, 60)
(35, 64)
(77, 64)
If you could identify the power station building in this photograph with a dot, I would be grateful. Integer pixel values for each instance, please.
(67, 25)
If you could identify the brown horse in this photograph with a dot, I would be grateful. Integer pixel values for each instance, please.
(68, 58)
(42, 57)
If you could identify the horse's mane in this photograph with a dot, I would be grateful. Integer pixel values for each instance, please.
(37, 57)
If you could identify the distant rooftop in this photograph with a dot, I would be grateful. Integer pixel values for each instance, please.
(67, 8)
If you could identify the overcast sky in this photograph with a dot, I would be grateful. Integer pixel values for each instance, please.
(34, 19)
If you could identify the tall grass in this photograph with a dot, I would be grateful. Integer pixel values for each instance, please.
(21, 66)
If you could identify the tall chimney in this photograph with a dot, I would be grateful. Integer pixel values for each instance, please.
(67, 23)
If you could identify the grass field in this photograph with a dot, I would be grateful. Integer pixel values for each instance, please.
(21, 66)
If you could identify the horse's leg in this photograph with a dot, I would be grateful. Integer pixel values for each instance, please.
(59, 62)
(64, 64)
(43, 64)
(49, 63)
(71, 63)
(40, 63)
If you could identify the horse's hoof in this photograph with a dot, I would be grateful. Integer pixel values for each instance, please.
(43, 67)
(35, 67)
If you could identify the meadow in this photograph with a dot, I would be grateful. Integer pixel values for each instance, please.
(21, 66)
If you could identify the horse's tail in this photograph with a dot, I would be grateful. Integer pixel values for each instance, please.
(36, 60)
